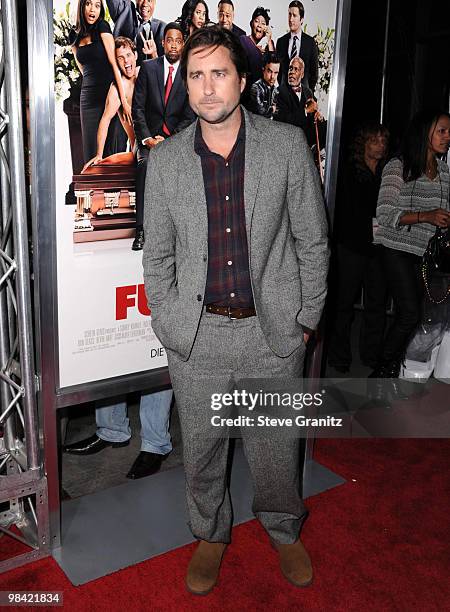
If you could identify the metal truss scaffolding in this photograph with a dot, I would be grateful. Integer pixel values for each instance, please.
(23, 486)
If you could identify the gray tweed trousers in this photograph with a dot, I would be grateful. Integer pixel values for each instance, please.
(225, 351)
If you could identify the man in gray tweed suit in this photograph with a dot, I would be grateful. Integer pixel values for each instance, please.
(235, 270)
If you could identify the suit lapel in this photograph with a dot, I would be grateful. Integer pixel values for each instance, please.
(254, 164)
(193, 169)
(160, 78)
(295, 98)
(303, 45)
(285, 49)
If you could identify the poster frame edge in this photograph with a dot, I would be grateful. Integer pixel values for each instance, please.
(43, 158)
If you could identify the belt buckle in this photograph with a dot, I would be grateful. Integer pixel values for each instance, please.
(229, 315)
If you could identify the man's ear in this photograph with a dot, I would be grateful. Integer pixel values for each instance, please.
(243, 83)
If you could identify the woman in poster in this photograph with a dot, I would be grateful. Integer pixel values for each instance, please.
(194, 15)
(93, 47)
(254, 49)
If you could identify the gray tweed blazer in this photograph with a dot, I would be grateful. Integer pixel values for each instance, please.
(286, 230)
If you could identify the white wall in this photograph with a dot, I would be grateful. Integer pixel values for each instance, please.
(317, 12)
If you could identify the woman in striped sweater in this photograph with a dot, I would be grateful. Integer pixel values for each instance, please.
(413, 201)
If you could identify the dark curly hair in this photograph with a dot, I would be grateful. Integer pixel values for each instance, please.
(365, 131)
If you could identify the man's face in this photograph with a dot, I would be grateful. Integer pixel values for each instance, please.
(173, 45)
(213, 84)
(146, 8)
(294, 19)
(270, 73)
(126, 60)
(225, 15)
(295, 72)
(375, 147)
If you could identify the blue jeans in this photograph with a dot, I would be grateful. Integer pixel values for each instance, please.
(113, 424)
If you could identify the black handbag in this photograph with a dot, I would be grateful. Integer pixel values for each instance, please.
(436, 262)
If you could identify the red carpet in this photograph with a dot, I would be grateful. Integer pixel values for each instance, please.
(378, 543)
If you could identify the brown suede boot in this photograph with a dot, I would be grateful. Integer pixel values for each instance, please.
(204, 566)
(295, 563)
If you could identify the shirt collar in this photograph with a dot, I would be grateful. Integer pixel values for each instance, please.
(200, 146)
(167, 64)
(141, 20)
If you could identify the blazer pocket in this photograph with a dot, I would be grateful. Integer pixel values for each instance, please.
(287, 278)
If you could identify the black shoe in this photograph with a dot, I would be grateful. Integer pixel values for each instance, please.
(138, 242)
(146, 464)
(378, 372)
(383, 392)
(91, 446)
(390, 369)
(386, 388)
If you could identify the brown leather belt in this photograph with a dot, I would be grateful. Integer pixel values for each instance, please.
(230, 312)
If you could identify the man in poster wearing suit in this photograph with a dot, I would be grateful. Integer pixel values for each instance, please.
(298, 44)
(264, 93)
(136, 21)
(160, 108)
(235, 267)
(296, 105)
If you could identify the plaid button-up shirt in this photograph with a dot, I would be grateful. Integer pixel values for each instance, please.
(228, 281)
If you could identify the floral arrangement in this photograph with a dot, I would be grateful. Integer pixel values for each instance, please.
(67, 74)
(325, 43)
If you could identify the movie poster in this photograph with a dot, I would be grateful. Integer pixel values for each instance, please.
(104, 324)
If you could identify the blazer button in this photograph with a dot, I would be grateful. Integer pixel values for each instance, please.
(205, 258)
(199, 298)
